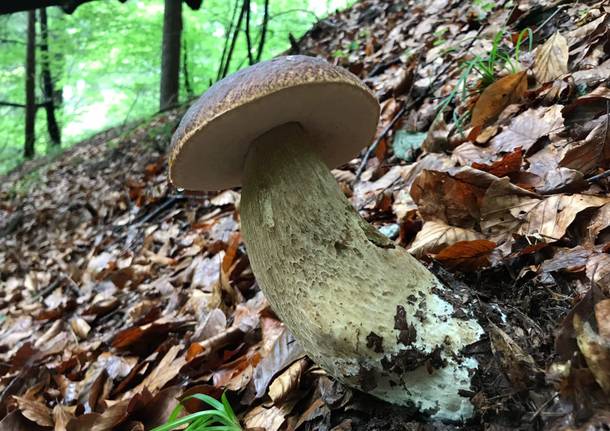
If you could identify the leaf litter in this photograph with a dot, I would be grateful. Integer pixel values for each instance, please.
(121, 295)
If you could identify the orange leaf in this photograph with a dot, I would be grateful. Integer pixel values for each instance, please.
(509, 164)
(466, 255)
(498, 96)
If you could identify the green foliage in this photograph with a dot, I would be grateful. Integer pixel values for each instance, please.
(481, 71)
(106, 58)
(220, 417)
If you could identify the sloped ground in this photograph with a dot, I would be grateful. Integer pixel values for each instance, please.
(120, 294)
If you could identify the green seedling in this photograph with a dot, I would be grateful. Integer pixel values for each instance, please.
(219, 418)
(487, 69)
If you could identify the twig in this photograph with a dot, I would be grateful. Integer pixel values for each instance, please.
(377, 140)
(431, 88)
(164, 206)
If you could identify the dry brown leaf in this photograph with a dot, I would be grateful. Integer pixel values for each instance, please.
(510, 163)
(551, 59)
(283, 385)
(61, 416)
(518, 366)
(80, 327)
(602, 316)
(596, 350)
(279, 350)
(551, 217)
(166, 370)
(496, 97)
(36, 411)
(452, 199)
(598, 271)
(267, 418)
(466, 255)
(593, 153)
(587, 107)
(527, 128)
(436, 235)
(504, 206)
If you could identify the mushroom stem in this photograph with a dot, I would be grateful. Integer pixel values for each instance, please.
(366, 311)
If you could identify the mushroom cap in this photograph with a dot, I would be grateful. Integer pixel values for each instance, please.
(334, 107)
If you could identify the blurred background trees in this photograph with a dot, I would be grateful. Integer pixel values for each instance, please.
(70, 71)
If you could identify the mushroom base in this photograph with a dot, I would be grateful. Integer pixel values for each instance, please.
(366, 311)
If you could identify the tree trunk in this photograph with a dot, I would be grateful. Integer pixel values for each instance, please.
(30, 80)
(170, 54)
(263, 34)
(236, 31)
(47, 81)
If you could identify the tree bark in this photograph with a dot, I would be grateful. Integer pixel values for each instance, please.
(30, 80)
(228, 40)
(170, 54)
(248, 38)
(47, 81)
(236, 31)
(263, 34)
(185, 71)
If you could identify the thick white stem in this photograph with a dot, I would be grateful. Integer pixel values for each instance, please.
(367, 312)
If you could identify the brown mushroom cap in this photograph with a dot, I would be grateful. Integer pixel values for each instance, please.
(335, 108)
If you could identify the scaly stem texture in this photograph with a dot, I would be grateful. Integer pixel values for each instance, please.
(367, 312)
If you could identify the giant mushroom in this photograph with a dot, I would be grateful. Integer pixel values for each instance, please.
(367, 312)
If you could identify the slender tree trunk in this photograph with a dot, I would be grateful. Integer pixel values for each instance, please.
(228, 39)
(30, 80)
(170, 54)
(236, 31)
(47, 81)
(185, 70)
(248, 39)
(261, 42)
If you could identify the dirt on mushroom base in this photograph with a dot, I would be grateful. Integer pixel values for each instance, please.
(109, 285)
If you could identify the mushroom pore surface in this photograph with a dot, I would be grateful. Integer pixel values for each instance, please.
(366, 311)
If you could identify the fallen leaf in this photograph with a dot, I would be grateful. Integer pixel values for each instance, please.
(595, 348)
(466, 255)
(36, 411)
(552, 216)
(551, 59)
(497, 96)
(527, 128)
(435, 236)
(593, 153)
(166, 370)
(288, 381)
(510, 163)
(516, 364)
(80, 327)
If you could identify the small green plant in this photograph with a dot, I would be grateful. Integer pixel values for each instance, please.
(486, 68)
(485, 7)
(440, 36)
(219, 418)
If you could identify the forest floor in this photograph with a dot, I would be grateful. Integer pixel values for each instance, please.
(121, 294)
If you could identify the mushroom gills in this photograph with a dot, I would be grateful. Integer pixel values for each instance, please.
(367, 312)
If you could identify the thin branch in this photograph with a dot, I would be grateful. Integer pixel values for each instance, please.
(263, 32)
(247, 31)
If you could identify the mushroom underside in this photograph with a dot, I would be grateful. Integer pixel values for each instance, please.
(366, 311)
